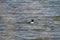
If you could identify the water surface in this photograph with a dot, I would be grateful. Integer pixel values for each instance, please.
(14, 14)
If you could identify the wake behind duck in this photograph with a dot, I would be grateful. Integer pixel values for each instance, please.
(27, 22)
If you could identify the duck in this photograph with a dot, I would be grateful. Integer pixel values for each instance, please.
(32, 21)
(27, 22)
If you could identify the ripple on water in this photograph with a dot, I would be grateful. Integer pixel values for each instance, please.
(15, 15)
(39, 38)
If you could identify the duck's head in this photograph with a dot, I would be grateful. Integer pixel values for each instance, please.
(32, 20)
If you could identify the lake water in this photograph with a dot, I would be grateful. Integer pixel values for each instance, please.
(14, 15)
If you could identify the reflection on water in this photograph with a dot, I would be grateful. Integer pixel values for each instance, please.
(14, 15)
